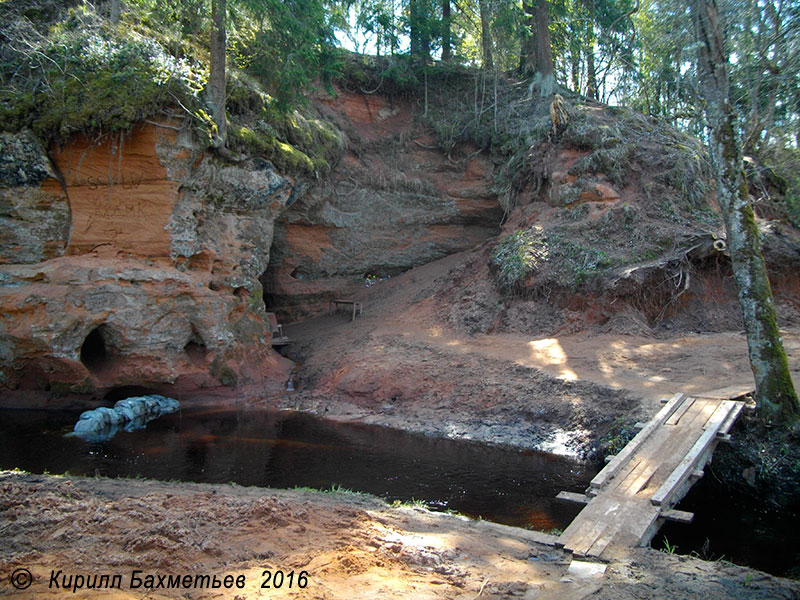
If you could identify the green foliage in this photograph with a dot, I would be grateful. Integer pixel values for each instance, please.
(578, 263)
(84, 75)
(80, 74)
(294, 141)
(288, 45)
(620, 433)
(669, 548)
(517, 256)
(531, 260)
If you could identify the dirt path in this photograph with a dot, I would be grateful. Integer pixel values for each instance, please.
(402, 365)
(348, 547)
(713, 365)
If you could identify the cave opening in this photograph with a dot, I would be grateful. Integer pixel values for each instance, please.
(94, 353)
(196, 348)
(269, 287)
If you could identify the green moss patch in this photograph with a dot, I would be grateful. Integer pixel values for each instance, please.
(84, 75)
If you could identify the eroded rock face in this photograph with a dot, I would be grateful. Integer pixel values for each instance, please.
(34, 210)
(394, 202)
(134, 260)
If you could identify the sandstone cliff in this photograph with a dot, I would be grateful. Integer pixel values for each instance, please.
(394, 202)
(137, 259)
(133, 259)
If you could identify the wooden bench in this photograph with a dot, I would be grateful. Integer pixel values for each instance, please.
(357, 306)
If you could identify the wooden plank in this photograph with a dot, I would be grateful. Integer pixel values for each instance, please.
(598, 520)
(666, 459)
(719, 416)
(573, 497)
(731, 419)
(616, 464)
(692, 458)
(583, 540)
(640, 482)
(681, 410)
(637, 529)
(678, 516)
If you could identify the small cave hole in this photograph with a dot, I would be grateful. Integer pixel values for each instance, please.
(241, 292)
(94, 354)
(196, 349)
(296, 274)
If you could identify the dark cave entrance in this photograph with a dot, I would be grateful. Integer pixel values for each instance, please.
(95, 356)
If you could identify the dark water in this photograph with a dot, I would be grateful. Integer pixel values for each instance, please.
(286, 449)
(734, 527)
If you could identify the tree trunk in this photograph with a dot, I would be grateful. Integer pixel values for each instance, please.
(575, 71)
(420, 42)
(486, 35)
(591, 71)
(216, 80)
(776, 398)
(115, 12)
(545, 76)
(446, 36)
(527, 50)
(536, 56)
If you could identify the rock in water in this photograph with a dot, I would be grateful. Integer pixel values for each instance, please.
(102, 423)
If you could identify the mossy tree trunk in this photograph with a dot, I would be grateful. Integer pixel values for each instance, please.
(776, 397)
(216, 80)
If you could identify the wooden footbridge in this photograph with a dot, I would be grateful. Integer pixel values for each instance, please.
(630, 498)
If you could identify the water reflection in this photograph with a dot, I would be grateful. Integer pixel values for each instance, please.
(285, 450)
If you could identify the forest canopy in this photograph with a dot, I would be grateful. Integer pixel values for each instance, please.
(65, 65)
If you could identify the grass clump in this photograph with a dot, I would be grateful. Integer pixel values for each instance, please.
(554, 258)
(82, 75)
(517, 256)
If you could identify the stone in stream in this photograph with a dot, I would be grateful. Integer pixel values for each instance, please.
(102, 423)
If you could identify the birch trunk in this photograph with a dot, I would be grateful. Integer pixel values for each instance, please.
(776, 398)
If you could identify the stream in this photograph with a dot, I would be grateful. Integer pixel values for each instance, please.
(283, 449)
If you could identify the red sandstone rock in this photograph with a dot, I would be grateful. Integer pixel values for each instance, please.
(161, 283)
(396, 201)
